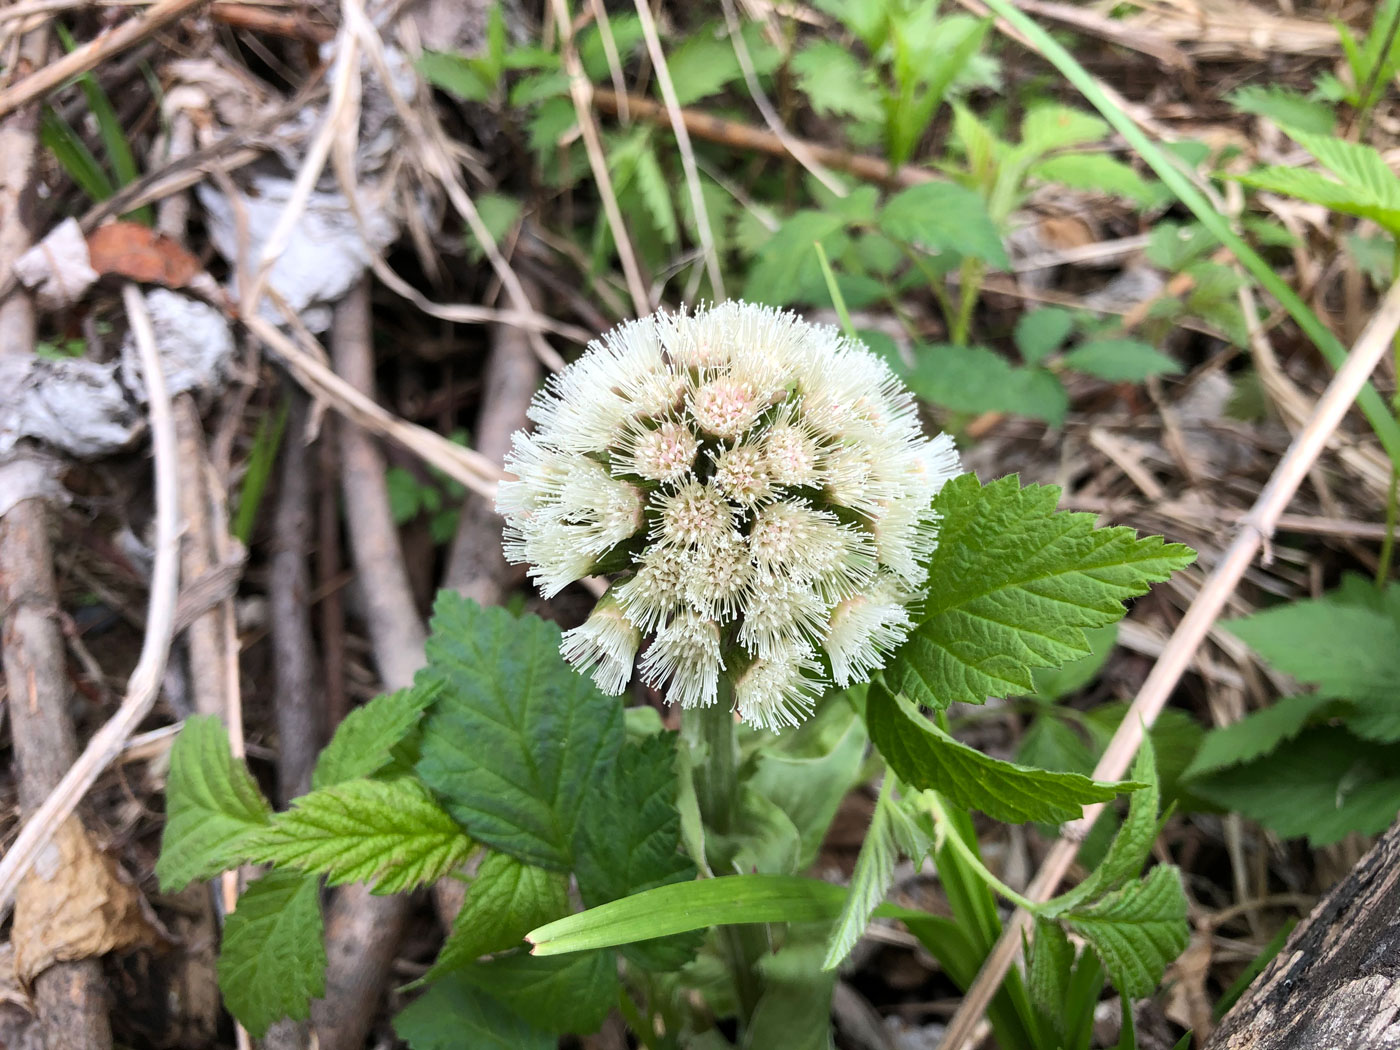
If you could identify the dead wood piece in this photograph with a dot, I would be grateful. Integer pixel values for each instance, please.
(204, 636)
(1336, 983)
(299, 709)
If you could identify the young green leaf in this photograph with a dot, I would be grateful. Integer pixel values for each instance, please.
(452, 1014)
(213, 809)
(836, 83)
(272, 963)
(572, 994)
(1098, 172)
(786, 264)
(1120, 360)
(1285, 107)
(517, 743)
(945, 217)
(925, 757)
(871, 880)
(362, 742)
(1137, 930)
(1254, 735)
(1013, 585)
(507, 899)
(1363, 185)
(461, 76)
(389, 832)
(975, 379)
(1050, 126)
(1051, 961)
(1039, 333)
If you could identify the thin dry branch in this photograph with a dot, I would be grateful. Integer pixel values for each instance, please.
(1256, 530)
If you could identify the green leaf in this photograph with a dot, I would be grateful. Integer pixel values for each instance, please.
(456, 74)
(213, 809)
(362, 742)
(1052, 743)
(506, 900)
(945, 217)
(1098, 172)
(925, 757)
(975, 379)
(1054, 683)
(1137, 930)
(1048, 972)
(705, 64)
(1039, 333)
(1285, 107)
(836, 83)
(1013, 586)
(1120, 360)
(656, 195)
(572, 994)
(72, 152)
(1051, 126)
(452, 1014)
(1367, 187)
(389, 832)
(499, 214)
(1324, 784)
(1254, 735)
(517, 743)
(272, 962)
(786, 264)
(870, 881)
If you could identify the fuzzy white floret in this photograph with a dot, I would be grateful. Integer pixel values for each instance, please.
(780, 691)
(685, 660)
(607, 644)
(865, 628)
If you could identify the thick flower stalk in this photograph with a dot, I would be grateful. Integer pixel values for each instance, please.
(760, 490)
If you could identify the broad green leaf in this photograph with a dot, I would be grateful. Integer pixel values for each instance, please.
(517, 742)
(452, 1015)
(945, 217)
(1323, 784)
(836, 83)
(870, 881)
(569, 994)
(1098, 172)
(975, 379)
(1039, 333)
(212, 809)
(1176, 736)
(794, 1011)
(927, 758)
(684, 906)
(506, 900)
(706, 62)
(1048, 971)
(1137, 930)
(1055, 683)
(1051, 126)
(1367, 187)
(272, 962)
(627, 35)
(1053, 743)
(1285, 107)
(362, 742)
(1120, 360)
(389, 832)
(1013, 586)
(1255, 735)
(787, 263)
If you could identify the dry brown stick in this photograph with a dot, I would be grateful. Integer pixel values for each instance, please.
(299, 699)
(1256, 529)
(68, 996)
(87, 56)
(745, 136)
(362, 930)
(331, 605)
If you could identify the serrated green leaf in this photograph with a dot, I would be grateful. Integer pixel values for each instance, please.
(1039, 333)
(705, 63)
(1363, 185)
(1098, 172)
(627, 35)
(1052, 684)
(1051, 126)
(570, 994)
(927, 758)
(945, 217)
(272, 962)
(1137, 930)
(363, 741)
(506, 900)
(1120, 360)
(870, 881)
(786, 264)
(517, 743)
(1013, 586)
(656, 194)
(835, 82)
(1052, 743)
(1254, 735)
(212, 809)
(1323, 784)
(452, 1014)
(388, 832)
(1285, 107)
(464, 77)
(975, 379)
(1048, 972)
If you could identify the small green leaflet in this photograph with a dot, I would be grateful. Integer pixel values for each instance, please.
(836, 83)
(925, 757)
(389, 832)
(1039, 333)
(1363, 184)
(1047, 974)
(213, 808)
(1102, 173)
(945, 217)
(1254, 735)
(976, 379)
(568, 994)
(272, 963)
(1137, 930)
(1013, 586)
(1287, 108)
(1050, 126)
(517, 743)
(871, 880)
(1120, 360)
(507, 899)
(786, 265)
(362, 742)
(452, 1014)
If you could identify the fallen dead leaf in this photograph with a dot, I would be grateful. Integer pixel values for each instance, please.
(129, 249)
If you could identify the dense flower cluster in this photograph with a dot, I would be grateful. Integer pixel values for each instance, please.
(761, 490)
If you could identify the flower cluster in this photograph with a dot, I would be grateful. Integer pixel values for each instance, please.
(759, 487)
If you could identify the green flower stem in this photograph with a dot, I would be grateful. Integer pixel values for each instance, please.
(970, 286)
(950, 835)
(709, 731)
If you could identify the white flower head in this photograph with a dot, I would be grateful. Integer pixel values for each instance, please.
(763, 490)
